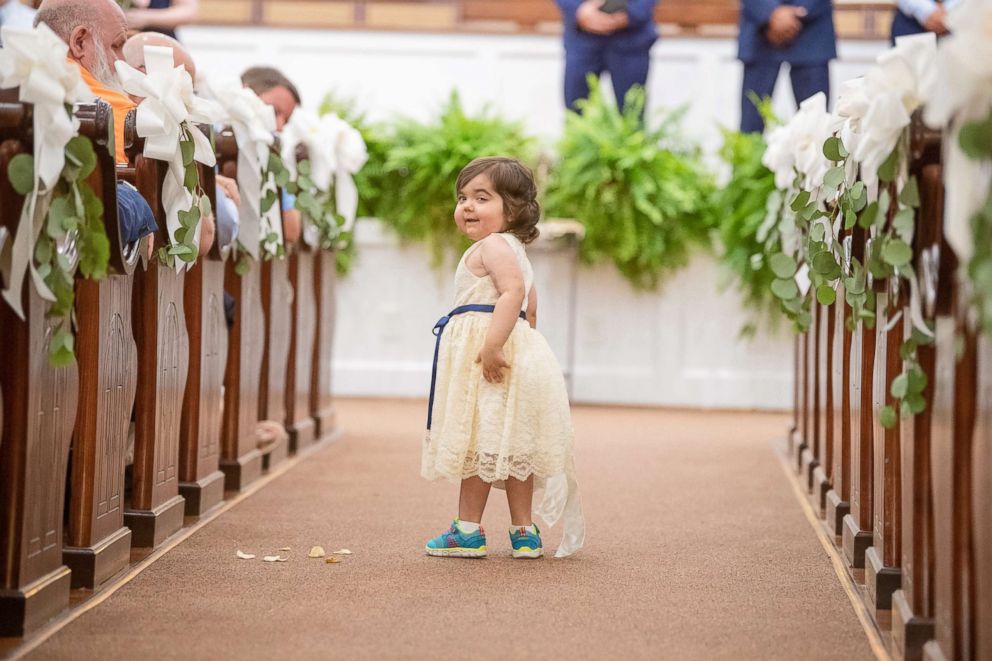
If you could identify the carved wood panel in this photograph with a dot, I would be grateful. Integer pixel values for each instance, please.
(982, 504)
(301, 353)
(841, 400)
(861, 368)
(325, 277)
(244, 363)
(277, 298)
(886, 460)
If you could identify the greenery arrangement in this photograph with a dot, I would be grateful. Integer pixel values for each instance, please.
(744, 211)
(182, 243)
(412, 187)
(642, 198)
(74, 212)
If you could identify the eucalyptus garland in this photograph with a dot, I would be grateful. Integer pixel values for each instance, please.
(890, 222)
(74, 211)
(182, 243)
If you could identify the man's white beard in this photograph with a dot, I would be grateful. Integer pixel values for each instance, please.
(103, 72)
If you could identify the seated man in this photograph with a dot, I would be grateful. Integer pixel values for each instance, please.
(95, 32)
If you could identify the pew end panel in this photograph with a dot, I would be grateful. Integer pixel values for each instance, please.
(201, 482)
(321, 397)
(39, 407)
(98, 544)
(156, 508)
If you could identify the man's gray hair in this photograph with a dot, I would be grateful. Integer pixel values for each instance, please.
(64, 17)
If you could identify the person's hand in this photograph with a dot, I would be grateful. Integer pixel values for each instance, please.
(591, 19)
(493, 363)
(785, 24)
(208, 228)
(936, 21)
(230, 188)
(292, 225)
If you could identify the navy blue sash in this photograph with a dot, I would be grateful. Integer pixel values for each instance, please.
(438, 329)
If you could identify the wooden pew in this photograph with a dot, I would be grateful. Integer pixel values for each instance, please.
(277, 305)
(39, 408)
(802, 388)
(912, 604)
(838, 496)
(321, 399)
(98, 544)
(201, 481)
(822, 464)
(302, 346)
(856, 535)
(814, 404)
(241, 459)
(156, 508)
(982, 504)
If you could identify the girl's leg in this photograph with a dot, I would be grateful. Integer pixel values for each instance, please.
(520, 496)
(472, 499)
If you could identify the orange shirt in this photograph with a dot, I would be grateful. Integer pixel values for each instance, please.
(120, 103)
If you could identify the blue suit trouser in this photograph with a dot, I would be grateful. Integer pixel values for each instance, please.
(807, 80)
(626, 68)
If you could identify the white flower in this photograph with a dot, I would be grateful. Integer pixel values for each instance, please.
(963, 93)
(778, 156)
(34, 61)
(902, 80)
(253, 122)
(812, 126)
(168, 106)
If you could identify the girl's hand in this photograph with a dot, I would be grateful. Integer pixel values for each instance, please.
(493, 362)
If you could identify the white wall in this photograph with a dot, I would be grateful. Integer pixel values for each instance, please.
(677, 347)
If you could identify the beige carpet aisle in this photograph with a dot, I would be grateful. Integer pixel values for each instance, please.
(696, 549)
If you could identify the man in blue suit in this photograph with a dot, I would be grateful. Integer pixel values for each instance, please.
(606, 35)
(800, 32)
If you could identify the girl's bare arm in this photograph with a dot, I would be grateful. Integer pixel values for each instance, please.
(501, 264)
(532, 307)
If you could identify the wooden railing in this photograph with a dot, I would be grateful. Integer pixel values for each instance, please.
(858, 20)
(910, 507)
(152, 347)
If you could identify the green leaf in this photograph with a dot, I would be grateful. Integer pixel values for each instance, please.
(800, 201)
(782, 265)
(976, 139)
(191, 178)
(825, 265)
(834, 177)
(907, 349)
(188, 150)
(179, 250)
(243, 266)
(826, 295)
(915, 402)
(834, 149)
(868, 216)
(897, 253)
(785, 288)
(60, 210)
(303, 167)
(900, 386)
(94, 252)
(20, 171)
(80, 150)
(887, 417)
(910, 194)
(890, 168)
(204, 203)
(850, 219)
(816, 232)
(903, 223)
(917, 380)
(268, 201)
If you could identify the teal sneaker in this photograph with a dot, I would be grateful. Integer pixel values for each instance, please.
(526, 544)
(455, 544)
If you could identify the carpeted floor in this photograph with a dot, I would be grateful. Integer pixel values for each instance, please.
(696, 549)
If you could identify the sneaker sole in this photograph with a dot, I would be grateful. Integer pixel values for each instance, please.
(457, 552)
(528, 553)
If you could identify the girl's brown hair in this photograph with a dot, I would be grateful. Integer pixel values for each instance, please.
(514, 182)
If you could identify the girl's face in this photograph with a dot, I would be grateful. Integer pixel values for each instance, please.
(479, 211)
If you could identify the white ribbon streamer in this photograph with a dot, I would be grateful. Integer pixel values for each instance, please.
(168, 110)
(253, 122)
(34, 60)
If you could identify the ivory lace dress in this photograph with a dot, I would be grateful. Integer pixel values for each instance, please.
(517, 428)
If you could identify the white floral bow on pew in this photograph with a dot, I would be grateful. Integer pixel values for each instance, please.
(166, 117)
(963, 94)
(336, 150)
(253, 122)
(34, 60)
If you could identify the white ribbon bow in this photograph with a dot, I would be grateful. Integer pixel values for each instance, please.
(168, 107)
(335, 148)
(253, 122)
(34, 60)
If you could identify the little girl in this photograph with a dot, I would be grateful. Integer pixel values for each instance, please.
(498, 412)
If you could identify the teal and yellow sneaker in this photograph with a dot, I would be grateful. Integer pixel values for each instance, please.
(455, 544)
(526, 544)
